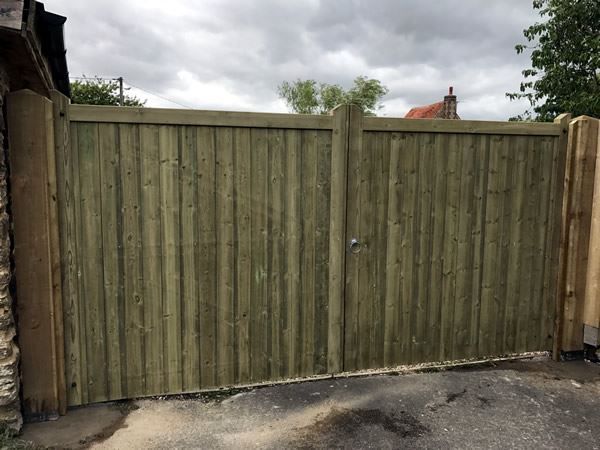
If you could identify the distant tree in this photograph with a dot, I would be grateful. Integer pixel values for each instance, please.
(98, 91)
(311, 97)
(565, 60)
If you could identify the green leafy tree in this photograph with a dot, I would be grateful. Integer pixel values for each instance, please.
(310, 97)
(98, 91)
(565, 60)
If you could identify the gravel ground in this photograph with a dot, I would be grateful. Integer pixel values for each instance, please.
(532, 404)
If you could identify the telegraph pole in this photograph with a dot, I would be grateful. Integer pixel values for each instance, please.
(121, 96)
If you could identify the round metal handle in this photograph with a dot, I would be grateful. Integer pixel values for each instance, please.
(355, 245)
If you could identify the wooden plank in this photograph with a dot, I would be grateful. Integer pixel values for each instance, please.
(408, 188)
(544, 211)
(321, 237)
(112, 257)
(440, 159)
(450, 248)
(225, 236)
(171, 262)
(353, 214)
(188, 193)
(58, 160)
(337, 239)
(93, 282)
(150, 210)
(515, 246)
(164, 116)
(553, 244)
(129, 148)
(32, 177)
(391, 338)
(422, 249)
(460, 126)
(529, 307)
(205, 138)
(578, 223)
(243, 212)
(465, 249)
(492, 246)
(258, 331)
(80, 326)
(562, 194)
(276, 270)
(591, 311)
(293, 231)
(66, 150)
(482, 157)
(308, 249)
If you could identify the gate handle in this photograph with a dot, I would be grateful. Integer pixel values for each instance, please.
(355, 246)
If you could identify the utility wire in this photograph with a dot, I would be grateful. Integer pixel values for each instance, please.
(137, 87)
(157, 95)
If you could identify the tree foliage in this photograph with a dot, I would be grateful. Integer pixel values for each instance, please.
(98, 91)
(565, 60)
(311, 97)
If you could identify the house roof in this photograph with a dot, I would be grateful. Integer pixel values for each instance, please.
(425, 112)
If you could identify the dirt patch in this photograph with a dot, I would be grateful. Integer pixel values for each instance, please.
(453, 396)
(355, 422)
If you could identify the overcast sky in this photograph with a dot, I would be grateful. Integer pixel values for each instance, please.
(232, 54)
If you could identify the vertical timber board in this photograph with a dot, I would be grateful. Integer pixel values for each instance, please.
(242, 241)
(591, 313)
(92, 260)
(225, 279)
(337, 240)
(129, 147)
(353, 214)
(60, 154)
(577, 204)
(293, 230)
(168, 143)
(308, 249)
(152, 266)
(205, 139)
(33, 176)
(188, 185)
(112, 256)
(259, 155)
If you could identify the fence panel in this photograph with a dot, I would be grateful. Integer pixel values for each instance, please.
(458, 240)
(204, 251)
(208, 249)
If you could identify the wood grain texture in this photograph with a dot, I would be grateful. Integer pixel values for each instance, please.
(223, 246)
(35, 222)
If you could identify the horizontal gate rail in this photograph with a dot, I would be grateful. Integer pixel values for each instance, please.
(461, 126)
(166, 116)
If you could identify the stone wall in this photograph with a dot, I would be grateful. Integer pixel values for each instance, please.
(10, 409)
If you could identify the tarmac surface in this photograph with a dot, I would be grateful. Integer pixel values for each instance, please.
(520, 404)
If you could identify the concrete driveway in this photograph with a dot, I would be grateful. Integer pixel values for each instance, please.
(523, 404)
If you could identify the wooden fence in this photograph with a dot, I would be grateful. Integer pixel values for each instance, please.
(207, 249)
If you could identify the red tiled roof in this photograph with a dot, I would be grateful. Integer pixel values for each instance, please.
(425, 112)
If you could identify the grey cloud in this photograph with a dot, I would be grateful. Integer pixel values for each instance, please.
(247, 48)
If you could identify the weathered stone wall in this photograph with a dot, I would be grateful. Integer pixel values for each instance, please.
(10, 409)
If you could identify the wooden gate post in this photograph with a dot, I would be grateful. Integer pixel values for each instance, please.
(575, 234)
(36, 253)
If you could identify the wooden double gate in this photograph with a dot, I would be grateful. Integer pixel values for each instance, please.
(207, 249)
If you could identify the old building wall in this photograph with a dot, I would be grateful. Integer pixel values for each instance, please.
(10, 409)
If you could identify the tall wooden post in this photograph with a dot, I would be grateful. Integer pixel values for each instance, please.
(36, 253)
(575, 234)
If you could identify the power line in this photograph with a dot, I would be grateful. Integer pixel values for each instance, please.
(157, 95)
(134, 86)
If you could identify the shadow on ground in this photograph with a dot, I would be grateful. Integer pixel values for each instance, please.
(531, 403)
